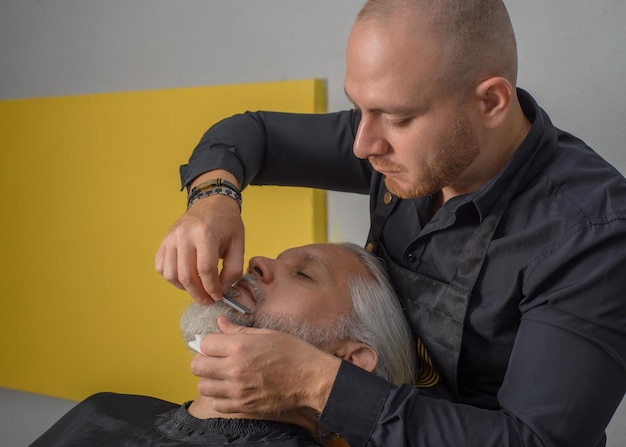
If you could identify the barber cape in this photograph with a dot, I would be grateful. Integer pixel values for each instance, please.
(109, 419)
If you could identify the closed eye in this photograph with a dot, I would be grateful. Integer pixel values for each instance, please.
(400, 122)
(303, 275)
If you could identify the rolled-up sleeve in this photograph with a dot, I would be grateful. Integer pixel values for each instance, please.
(273, 148)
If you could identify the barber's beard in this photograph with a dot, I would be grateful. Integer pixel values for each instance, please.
(202, 319)
(454, 156)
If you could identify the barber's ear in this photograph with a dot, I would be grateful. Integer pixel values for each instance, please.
(360, 354)
(494, 95)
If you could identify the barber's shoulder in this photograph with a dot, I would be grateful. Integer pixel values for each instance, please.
(581, 184)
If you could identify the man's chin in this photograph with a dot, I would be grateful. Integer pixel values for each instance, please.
(410, 190)
(202, 319)
(398, 189)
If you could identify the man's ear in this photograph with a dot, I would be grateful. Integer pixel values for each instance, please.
(358, 353)
(494, 95)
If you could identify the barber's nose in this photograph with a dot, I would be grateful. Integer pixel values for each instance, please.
(369, 138)
(262, 268)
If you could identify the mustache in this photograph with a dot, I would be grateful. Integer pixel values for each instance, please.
(253, 286)
(380, 165)
(202, 319)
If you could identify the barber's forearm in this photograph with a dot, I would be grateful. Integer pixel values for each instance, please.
(234, 145)
(368, 411)
(271, 148)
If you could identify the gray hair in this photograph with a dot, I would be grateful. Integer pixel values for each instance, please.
(377, 320)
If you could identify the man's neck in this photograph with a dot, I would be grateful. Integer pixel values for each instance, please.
(202, 408)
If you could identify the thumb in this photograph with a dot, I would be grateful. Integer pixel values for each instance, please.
(228, 327)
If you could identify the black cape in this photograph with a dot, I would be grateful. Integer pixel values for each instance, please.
(109, 419)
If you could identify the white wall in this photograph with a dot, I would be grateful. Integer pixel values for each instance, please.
(572, 58)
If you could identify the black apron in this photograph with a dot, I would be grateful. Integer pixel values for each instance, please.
(436, 310)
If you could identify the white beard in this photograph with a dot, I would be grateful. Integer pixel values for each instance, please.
(202, 320)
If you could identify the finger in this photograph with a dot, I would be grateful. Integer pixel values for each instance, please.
(213, 346)
(228, 397)
(228, 327)
(203, 365)
(211, 387)
(158, 259)
(218, 391)
(168, 269)
(208, 366)
(232, 265)
(206, 262)
(188, 275)
(225, 397)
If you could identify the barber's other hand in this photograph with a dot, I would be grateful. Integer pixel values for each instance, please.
(247, 370)
(212, 229)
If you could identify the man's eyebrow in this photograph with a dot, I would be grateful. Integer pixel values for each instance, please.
(391, 111)
(317, 261)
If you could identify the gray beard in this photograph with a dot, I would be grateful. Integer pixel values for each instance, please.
(200, 319)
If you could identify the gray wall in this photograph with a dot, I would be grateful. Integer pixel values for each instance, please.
(572, 59)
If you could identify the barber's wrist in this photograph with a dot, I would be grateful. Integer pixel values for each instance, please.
(216, 173)
(207, 186)
(324, 371)
(212, 187)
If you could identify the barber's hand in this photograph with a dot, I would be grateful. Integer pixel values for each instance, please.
(212, 229)
(262, 371)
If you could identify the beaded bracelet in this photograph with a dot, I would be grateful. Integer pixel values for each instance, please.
(214, 187)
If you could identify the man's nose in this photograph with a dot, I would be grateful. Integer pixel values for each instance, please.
(369, 138)
(262, 268)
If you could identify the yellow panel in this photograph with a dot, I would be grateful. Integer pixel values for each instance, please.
(89, 186)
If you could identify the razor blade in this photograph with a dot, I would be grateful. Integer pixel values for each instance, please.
(235, 305)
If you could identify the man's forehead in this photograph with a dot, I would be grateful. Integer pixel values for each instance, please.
(328, 257)
(314, 253)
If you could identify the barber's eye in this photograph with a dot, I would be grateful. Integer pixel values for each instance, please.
(400, 123)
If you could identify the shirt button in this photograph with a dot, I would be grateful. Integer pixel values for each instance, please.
(387, 198)
(411, 257)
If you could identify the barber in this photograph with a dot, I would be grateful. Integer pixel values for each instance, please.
(504, 237)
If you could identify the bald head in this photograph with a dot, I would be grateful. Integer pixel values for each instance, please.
(475, 37)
